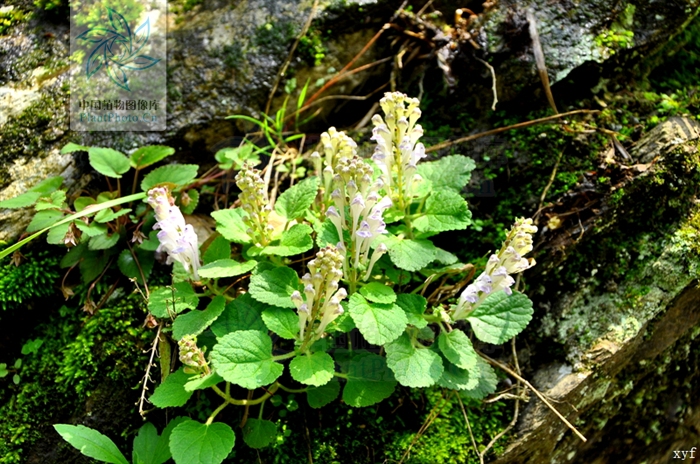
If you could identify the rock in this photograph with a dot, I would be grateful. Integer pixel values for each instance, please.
(625, 341)
(222, 59)
(582, 41)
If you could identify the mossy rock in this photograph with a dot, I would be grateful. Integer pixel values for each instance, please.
(618, 310)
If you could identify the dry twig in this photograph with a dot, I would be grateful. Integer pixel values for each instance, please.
(498, 130)
(539, 59)
(536, 392)
(147, 376)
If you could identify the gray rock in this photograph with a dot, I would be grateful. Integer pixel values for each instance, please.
(597, 37)
(625, 341)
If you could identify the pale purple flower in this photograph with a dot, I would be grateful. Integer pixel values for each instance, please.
(497, 274)
(176, 238)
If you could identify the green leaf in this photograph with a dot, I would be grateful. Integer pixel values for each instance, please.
(108, 162)
(316, 369)
(275, 286)
(414, 306)
(296, 200)
(92, 230)
(107, 215)
(188, 201)
(74, 255)
(192, 442)
(378, 293)
(445, 257)
(32, 346)
(162, 453)
(226, 268)
(243, 313)
(195, 322)
(455, 378)
(73, 147)
(487, 382)
(411, 255)
(130, 267)
(245, 358)
(378, 323)
(282, 321)
(318, 397)
(103, 242)
(450, 172)
(444, 210)
(229, 223)
(92, 264)
(369, 380)
(413, 367)
(3, 370)
(28, 198)
(219, 248)
(178, 174)
(150, 154)
(166, 300)
(259, 433)
(327, 234)
(57, 234)
(501, 317)
(44, 219)
(342, 323)
(200, 383)
(235, 157)
(91, 443)
(146, 446)
(54, 201)
(152, 243)
(81, 203)
(21, 201)
(172, 393)
(294, 241)
(458, 349)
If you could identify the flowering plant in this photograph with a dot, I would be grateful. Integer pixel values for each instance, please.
(247, 317)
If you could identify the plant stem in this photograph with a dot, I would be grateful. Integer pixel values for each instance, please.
(292, 390)
(282, 357)
(134, 184)
(226, 396)
(216, 411)
(91, 209)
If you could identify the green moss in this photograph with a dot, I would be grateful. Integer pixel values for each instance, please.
(447, 440)
(31, 131)
(10, 16)
(273, 36)
(381, 433)
(80, 356)
(619, 35)
(311, 48)
(35, 277)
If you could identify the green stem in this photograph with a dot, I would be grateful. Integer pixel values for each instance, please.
(216, 411)
(292, 390)
(282, 357)
(86, 212)
(270, 391)
(341, 375)
(134, 184)
(262, 405)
